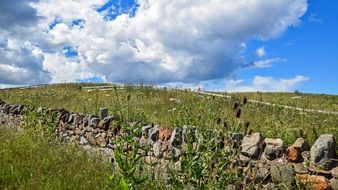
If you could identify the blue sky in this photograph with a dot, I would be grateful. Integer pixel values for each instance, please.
(310, 50)
(282, 45)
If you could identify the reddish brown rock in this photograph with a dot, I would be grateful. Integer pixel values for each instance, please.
(165, 133)
(314, 182)
(294, 152)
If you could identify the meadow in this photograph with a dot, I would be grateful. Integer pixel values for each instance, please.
(202, 168)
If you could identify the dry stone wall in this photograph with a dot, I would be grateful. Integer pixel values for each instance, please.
(260, 158)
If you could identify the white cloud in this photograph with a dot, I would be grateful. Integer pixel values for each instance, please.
(266, 84)
(266, 62)
(21, 64)
(166, 41)
(260, 52)
(258, 83)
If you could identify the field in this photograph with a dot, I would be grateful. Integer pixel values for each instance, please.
(147, 104)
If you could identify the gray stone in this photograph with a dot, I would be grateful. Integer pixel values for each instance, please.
(176, 138)
(5, 108)
(107, 152)
(274, 148)
(334, 184)
(251, 145)
(281, 173)
(72, 118)
(16, 109)
(83, 141)
(103, 113)
(157, 149)
(154, 133)
(263, 171)
(94, 122)
(85, 121)
(39, 110)
(145, 130)
(300, 168)
(176, 153)
(334, 172)
(237, 138)
(323, 149)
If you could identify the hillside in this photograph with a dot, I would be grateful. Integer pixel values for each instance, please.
(161, 138)
(182, 107)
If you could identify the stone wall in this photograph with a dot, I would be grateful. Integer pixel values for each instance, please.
(260, 158)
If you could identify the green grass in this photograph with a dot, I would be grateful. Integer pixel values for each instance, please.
(177, 108)
(36, 161)
(33, 160)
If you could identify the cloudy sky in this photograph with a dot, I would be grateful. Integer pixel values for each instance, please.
(242, 45)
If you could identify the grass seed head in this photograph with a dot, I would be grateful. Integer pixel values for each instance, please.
(235, 106)
(238, 113)
(245, 100)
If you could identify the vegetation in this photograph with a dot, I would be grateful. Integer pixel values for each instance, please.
(42, 163)
(32, 160)
(181, 107)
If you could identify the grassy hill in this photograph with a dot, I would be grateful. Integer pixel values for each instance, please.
(33, 160)
(182, 107)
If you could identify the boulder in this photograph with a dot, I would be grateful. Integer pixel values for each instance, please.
(164, 133)
(91, 139)
(16, 109)
(323, 149)
(282, 173)
(314, 182)
(101, 141)
(72, 118)
(154, 133)
(237, 138)
(334, 183)
(94, 122)
(251, 145)
(83, 141)
(157, 149)
(5, 108)
(176, 138)
(294, 152)
(145, 130)
(103, 113)
(104, 124)
(176, 153)
(334, 172)
(274, 148)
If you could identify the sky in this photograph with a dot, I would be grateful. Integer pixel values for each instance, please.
(218, 45)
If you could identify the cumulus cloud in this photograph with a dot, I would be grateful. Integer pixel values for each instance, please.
(167, 41)
(17, 13)
(21, 64)
(156, 41)
(20, 60)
